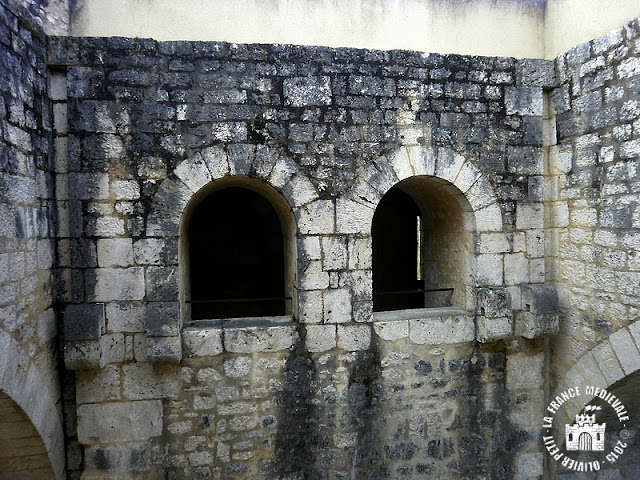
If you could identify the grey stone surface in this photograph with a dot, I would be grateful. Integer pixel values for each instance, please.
(320, 338)
(539, 299)
(164, 349)
(162, 319)
(203, 340)
(531, 325)
(306, 91)
(493, 329)
(240, 339)
(354, 337)
(84, 322)
(442, 330)
(119, 421)
(493, 302)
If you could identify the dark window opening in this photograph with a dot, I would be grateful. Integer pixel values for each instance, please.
(397, 238)
(236, 254)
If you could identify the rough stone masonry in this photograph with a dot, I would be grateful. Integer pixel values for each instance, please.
(333, 391)
(530, 168)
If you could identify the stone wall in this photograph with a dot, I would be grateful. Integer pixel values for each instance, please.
(595, 190)
(595, 211)
(333, 390)
(28, 323)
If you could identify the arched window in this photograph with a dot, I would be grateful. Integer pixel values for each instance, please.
(236, 249)
(422, 242)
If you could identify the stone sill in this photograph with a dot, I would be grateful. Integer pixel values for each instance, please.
(239, 335)
(432, 326)
(242, 322)
(418, 314)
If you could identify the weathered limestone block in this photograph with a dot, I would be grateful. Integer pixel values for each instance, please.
(98, 385)
(125, 317)
(203, 339)
(113, 347)
(354, 337)
(608, 363)
(115, 252)
(524, 100)
(118, 458)
(493, 329)
(320, 338)
(531, 325)
(304, 91)
(310, 306)
(155, 251)
(81, 354)
(250, 339)
(525, 371)
(119, 422)
(163, 319)
(539, 298)
(145, 381)
(536, 72)
(162, 283)
(337, 305)
(352, 217)
(117, 284)
(84, 322)
(316, 217)
(626, 350)
(444, 329)
(391, 330)
(164, 349)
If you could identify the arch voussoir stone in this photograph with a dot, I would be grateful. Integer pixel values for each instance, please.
(609, 362)
(216, 160)
(448, 164)
(422, 160)
(193, 173)
(480, 194)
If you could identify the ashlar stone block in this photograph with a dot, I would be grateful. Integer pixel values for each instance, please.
(250, 339)
(320, 338)
(164, 349)
(392, 330)
(529, 325)
(334, 253)
(163, 318)
(305, 91)
(446, 330)
(203, 340)
(626, 350)
(493, 329)
(84, 322)
(118, 284)
(119, 422)
(354, 337)
(115, 252)
(524, 371)
(145, 381)
(608, 362)
(353, 217)
(494, 302)
(316, 217)
(125, 317)
(524, 100)
(83, 354)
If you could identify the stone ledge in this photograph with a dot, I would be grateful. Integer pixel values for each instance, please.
(433, 326)
(239, 335)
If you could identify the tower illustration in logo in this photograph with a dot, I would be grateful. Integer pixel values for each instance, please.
(586, 434)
